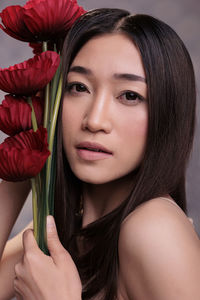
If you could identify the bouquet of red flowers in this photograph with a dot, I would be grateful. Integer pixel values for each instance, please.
(28, 114)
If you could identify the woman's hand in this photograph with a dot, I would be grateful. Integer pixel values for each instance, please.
(42, 277)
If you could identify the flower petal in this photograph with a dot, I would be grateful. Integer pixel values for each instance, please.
(40, 20)
(15, 114)
(13, 23)
(30, 76)
(49, 19)
(23, 155)
(37, 47)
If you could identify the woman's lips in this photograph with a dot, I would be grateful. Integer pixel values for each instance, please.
(92, 151)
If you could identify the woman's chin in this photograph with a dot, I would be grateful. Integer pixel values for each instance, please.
(93, 180)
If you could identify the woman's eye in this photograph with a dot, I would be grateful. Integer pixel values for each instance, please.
(131, 97)
(76, 88)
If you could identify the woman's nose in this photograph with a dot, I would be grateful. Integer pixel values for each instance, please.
(98, 115)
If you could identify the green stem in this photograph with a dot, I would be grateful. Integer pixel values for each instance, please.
(44, 46)
(33, 117)
(35, 208)
(54, 47)
(55, 114)
(38, 183)
(46, 108)
(52, 177)
(52, 134)
(54, 87)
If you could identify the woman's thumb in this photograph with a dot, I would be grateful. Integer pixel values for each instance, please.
(53, 242)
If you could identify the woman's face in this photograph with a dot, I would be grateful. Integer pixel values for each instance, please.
(104, 118)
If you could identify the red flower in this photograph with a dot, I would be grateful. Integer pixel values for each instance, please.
(37, 47)
(13, 20)
(30, 76)
(15, 114)
(49, 19)
(40, 20)
(23, 155)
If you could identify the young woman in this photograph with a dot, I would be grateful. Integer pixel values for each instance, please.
(125, 133)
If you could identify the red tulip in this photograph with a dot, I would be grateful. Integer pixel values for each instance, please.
(30, 76)
(23, 155)
(40, 20)
(15, 114)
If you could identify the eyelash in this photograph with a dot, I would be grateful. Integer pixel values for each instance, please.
(137, 96)
(70, 86)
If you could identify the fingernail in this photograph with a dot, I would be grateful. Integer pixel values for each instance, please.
(50, 223)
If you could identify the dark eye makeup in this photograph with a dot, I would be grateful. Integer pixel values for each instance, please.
(76, 87)
(131, 97)
(127, 97)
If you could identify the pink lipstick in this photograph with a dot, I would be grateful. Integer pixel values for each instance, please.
(92, 151)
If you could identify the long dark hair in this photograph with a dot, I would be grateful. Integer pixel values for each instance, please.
(171, 120)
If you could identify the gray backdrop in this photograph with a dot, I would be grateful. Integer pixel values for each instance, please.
(184, 17)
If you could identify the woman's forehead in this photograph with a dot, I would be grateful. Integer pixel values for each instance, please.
(110, 53)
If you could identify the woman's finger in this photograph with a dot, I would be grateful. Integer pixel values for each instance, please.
(17, 292)
(29, 242)
(18, 297)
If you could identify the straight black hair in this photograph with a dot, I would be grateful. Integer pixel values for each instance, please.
(171, 119)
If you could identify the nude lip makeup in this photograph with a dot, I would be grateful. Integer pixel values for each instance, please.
(92, 151)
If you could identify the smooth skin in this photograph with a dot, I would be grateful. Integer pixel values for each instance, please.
(12, 198)
(105, 103)
(46, 277)
(159, 251)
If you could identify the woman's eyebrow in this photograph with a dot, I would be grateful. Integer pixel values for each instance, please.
(130, 77)
(81, 70)
(124, 76)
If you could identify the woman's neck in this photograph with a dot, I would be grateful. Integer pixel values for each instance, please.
(99, 200)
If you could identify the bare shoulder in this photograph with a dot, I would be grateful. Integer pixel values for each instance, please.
(159, 253)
